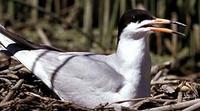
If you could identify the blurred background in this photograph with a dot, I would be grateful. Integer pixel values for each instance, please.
(91, 25)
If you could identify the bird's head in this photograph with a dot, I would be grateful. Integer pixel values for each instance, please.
(136, 23)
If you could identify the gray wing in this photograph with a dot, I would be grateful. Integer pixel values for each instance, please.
(82, 77)
(87, 69)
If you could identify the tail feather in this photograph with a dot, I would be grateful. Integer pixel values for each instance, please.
(23, 43)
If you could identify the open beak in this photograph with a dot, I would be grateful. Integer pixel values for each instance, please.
(159, 21)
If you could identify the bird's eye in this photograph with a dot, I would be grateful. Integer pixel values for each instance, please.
(134, 18)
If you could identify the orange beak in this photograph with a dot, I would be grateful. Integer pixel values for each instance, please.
(165, 30)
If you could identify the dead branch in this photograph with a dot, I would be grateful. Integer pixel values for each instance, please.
(156, 68)
(180, 97)
(165, 82)
(12, 68)
(4, 104)
(43, 36)
(193, 107)
(175, 106)
(157, 76)
(38, 96)
(6, 80)
(11, 76)
(12, 91)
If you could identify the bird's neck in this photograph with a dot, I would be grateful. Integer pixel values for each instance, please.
(132, 53)
(134, 60)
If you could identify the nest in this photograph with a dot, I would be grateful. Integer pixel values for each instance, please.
(21, 90)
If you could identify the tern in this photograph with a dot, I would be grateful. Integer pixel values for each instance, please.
(89, 79)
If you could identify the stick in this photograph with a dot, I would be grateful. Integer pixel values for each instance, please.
(12, 76)
(12, 68)
(6, 103)
(193, 107)
(175, 106)
(164, 82)
(65, 102)
(6, 80)
(180, 96)
(38, 96)
(136, 105)
(19, 101)
(43, 36)
(158, 67)
(12, 91)
(160, 95)
(157, 76)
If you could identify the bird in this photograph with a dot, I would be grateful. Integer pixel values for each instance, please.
(89, 79)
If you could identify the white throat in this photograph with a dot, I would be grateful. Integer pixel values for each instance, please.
(134, 64)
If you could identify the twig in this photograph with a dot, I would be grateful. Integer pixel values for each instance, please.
(130, 100)
(43, 36)
(162, 100)
(4, 104)
(12, 91)
(19, 101)
(25, 100)
(159, 96)
(136, 105)
(169, 102)
(165, 82)
(12, 76)
(18, 84)
(193, 107)
(156, 68)
(175, 106)
(51, 99)
(107, 106)
(16, 67)
(38, 96)
(6, 80)
(180, 96)
(191, 86)
(157, 76)
(28, 86)
(12, 68)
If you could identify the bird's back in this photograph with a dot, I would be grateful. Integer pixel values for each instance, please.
(76, 77)
(81, 77)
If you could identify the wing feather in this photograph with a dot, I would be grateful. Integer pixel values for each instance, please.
(79, 77)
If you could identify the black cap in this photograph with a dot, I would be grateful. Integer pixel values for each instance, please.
(134, 15)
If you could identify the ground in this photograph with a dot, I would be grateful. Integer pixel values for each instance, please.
(21, 90)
